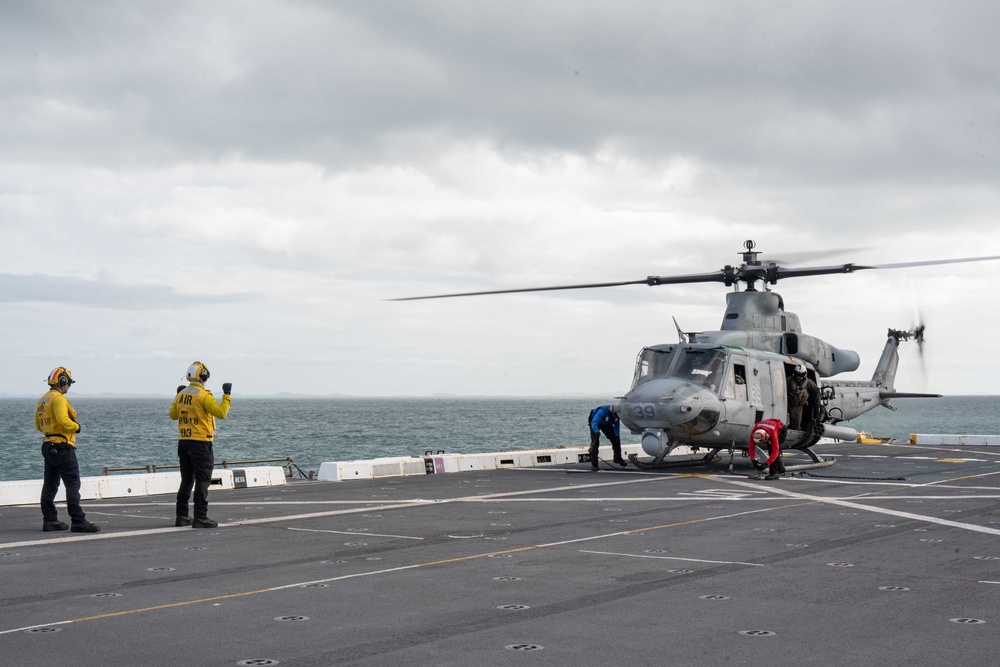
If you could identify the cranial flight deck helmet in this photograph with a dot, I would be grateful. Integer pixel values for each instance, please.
(799, 370)
(198, 372)
(60, 377)
(759, 436)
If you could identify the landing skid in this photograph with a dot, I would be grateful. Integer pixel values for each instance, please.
(675, 461)
(664, 463)
(818, 462)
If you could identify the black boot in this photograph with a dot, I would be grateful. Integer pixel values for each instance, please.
(182, 521)
(84, 527)
(203, 522)
(49, 526)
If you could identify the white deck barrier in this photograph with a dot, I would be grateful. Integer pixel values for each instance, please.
(28, 492)
(951, 439)
(436, 464)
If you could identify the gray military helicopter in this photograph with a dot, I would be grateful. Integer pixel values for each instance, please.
(708, 390)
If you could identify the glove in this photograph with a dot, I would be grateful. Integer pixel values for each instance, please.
(180, 388)
(227, 388)
(78, 428)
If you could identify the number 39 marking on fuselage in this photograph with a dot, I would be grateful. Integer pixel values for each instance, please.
(644, 411)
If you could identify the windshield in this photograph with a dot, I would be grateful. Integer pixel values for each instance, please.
(704, 367)
(652, 363)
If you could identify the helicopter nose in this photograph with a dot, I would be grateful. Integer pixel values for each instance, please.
(681, 408)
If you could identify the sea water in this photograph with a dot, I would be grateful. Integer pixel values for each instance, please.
(134, 432)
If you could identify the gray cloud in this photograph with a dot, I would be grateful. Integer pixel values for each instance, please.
(104, 294)
(329, 155)
(806, 89)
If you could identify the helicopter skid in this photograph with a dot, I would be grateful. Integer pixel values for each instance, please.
(713, 457)
(674, 461)
(817, 463)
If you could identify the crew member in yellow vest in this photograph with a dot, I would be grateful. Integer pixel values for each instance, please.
(195, 409)
(57, 421)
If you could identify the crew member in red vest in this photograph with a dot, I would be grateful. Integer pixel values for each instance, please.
(771, 433)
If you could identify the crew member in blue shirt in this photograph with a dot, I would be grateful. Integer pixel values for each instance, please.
(604, 419)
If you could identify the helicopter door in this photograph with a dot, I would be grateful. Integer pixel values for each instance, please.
(779, 392)
(766, 392)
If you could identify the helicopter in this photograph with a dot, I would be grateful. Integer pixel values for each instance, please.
(709, 390)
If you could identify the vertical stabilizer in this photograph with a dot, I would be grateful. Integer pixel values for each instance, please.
(885, 372)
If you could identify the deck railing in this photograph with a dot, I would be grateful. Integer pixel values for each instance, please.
(291, 469)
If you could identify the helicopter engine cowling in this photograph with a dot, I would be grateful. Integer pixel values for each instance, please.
(827, 359)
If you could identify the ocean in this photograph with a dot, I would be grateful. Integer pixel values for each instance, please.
(132, 432)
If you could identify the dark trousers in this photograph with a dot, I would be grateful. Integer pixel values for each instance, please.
(777, 467)
(61, 464)
(196, 461)
(795, 417)
(595, 438)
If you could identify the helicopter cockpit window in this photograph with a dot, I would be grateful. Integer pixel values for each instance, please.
(652, 363)
(704, 367)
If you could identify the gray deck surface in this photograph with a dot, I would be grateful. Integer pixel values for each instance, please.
(530, 567)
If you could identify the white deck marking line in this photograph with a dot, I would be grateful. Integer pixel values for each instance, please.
(119, 515)
(354, 533)
(879, 510)
(401, 568)
(688, 498)
(300, 584)
(689, 560)
(955, 479)
(248, 503)
(651, 528)
(219, 597)
(95, 536)
(418, 502)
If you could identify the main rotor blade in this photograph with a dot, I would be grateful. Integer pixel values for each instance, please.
(747, 273)
(851, 268)
(931, 262)
(717, 276)
(525, 289)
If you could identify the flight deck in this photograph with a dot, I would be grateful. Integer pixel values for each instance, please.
(890, 557)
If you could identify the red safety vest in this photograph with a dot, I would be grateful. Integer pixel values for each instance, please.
(772, 429)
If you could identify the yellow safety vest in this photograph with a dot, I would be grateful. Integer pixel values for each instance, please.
(195, 409)
(56, 418)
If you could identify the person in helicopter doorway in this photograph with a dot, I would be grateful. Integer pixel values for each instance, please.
(802, 392)
(604, 419)
(770, 433)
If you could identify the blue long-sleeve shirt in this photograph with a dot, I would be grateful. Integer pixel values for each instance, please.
(603, 415)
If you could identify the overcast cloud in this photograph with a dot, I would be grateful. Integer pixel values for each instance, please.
(247, 183)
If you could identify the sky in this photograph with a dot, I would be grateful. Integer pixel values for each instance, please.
(249, 183)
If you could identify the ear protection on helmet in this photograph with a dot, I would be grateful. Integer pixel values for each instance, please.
(198, 372)
(60, 377)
